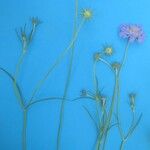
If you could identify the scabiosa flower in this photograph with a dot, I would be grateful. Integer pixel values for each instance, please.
(87, 14)
(132, 32)
(108, 50)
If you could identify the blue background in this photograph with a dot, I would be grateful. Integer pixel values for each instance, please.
(52, 37)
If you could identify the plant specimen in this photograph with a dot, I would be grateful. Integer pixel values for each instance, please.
(26, 39)
(132, 33)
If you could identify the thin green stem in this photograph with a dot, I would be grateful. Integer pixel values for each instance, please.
(24, 131)
(92, 118)
(125, 55)
(20, 61)
(63, 104)
(105, 137)
(94, 77)
(55, 99)
(132, 124)
(68, 79)
(122, 145)
(105, 113)
(43, 100)
(101, 135)
(106, 63)
(17, 89)
(104, 143)
(133, 128)
(18, 95)
(21, 102)
(95, 82)
(97, 112)
(106, 134)
(124, 138)
(118, 90)
(117, 109)
(57, 62)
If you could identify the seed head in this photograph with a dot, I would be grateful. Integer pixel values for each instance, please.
(87, 14)
(108, 50)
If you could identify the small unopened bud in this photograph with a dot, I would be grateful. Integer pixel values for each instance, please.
(103, 101)
(84, 93)
(132, 97)
(116, 66)
(96, 56)
(35, 21)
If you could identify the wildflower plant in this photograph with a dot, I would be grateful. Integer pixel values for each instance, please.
(132, 33)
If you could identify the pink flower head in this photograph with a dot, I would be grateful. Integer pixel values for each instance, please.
(132, 32)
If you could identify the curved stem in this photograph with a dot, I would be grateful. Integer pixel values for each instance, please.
(24, 132)
(92, 118)
(17, 89)
(132, 128)
(55, 99)
(57, 62)
(106, 63)
(43, 100)
(132, 124)
(68, 80)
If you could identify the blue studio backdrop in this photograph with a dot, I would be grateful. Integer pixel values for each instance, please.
(52, 36)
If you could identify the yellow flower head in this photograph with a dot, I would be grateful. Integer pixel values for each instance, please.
(108, 50)
(87, 14)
